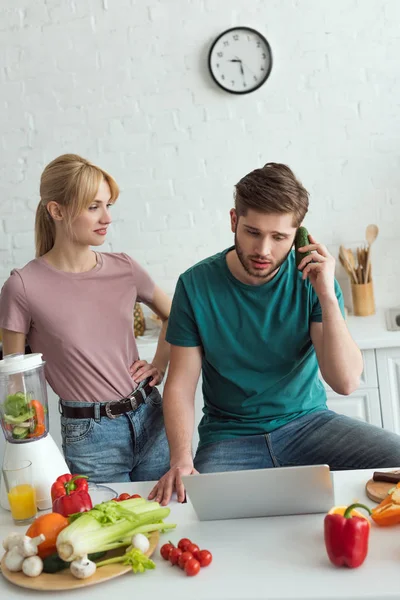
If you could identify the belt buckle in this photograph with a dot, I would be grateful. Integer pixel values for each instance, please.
(133, 400)
(107, 408)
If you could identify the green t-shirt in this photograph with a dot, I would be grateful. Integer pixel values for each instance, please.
(259, 365)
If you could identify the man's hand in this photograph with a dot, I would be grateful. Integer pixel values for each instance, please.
(141, 369)
(319, 267)
(171, 481)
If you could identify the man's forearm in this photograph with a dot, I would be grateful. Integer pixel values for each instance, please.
(179, 422)
(342, 362)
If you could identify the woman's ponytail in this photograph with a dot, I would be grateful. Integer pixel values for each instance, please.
(44, 230)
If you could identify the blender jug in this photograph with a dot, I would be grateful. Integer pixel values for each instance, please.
(24, 419)
(23, 398)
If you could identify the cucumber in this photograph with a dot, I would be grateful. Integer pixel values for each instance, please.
(301, 240)
(54, 564)
(19, 433)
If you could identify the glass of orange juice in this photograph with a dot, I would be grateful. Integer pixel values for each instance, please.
(20, 491)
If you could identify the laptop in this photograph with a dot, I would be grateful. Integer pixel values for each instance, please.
(260, 492)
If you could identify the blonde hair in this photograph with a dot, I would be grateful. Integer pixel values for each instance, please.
(72, 182)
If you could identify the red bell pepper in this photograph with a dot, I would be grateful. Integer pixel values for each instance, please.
(70, 495)
(38, 427)
(346, 537)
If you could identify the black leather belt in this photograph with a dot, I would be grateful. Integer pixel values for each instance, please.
(112, 409)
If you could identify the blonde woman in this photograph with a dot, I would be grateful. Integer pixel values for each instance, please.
(75, 305)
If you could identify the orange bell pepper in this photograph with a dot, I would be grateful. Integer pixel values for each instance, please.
(388, 511)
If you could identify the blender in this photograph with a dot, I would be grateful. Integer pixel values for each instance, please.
(24, 419)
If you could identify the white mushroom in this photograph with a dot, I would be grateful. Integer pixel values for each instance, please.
(11, 540)
(82, 567)
(13, 560)
(28, 546)
(32, 566)
(140, 542)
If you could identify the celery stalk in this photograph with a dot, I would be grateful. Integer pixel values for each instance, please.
(106, 526)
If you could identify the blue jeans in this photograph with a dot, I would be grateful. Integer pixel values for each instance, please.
(323, 437)
(131, 447)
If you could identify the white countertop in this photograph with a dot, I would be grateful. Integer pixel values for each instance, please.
(371, 332)
(253, 559)
(367, 332)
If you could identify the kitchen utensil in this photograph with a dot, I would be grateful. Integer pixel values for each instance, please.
(24, 418)
(371, 234)
(100, 493)
(64, 580)
(346, 264)
(378, 490)
(363, 299)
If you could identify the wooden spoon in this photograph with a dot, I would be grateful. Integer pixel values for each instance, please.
(371, 233)
(346, 263)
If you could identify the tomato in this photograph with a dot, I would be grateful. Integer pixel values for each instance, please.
(204, 557)
(165, 550)
(192, 548)
(174, 555)
(183, 544)
(124, 496)
(184, 557)
(135, 496)
(192, 567)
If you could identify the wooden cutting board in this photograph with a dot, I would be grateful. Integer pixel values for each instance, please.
(63, 580)
(378, 490)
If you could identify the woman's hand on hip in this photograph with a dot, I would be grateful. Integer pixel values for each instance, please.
(141, 370)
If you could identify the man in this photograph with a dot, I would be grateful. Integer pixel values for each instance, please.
(259, 328)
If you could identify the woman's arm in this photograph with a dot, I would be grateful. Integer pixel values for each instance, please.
(161, 305)
(13, 342)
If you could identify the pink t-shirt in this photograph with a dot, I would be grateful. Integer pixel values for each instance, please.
(82, 323)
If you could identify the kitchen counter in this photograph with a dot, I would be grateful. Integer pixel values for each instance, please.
(371, 332)
(269, 558)
(367, 332)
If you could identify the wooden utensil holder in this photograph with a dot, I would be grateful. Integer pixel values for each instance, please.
(363, 299)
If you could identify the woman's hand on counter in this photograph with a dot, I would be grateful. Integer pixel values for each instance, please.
(141, 369)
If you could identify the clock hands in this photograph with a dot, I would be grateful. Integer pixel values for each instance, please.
(238, 61)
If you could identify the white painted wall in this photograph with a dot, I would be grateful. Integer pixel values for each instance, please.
(125, 83)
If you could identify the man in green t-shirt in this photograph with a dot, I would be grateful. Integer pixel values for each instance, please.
(259, 329)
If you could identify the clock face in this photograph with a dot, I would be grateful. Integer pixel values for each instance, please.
(240, 60)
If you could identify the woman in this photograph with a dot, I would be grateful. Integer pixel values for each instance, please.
(75, 306)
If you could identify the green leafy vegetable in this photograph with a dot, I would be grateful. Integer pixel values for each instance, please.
(134, 558)
(16, 404)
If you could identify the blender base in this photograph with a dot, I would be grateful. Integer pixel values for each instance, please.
(47, 464)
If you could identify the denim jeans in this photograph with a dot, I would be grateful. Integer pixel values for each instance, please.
(322, 437)
(131, 447)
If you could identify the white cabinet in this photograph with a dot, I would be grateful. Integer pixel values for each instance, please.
(364, 403)
(388, 363)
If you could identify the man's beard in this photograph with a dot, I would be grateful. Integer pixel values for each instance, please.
(256, 272)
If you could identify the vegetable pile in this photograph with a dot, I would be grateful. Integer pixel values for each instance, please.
(85, 537)
(23, 418)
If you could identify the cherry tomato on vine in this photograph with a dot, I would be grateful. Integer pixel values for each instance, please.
(165, 550)
(192, 567)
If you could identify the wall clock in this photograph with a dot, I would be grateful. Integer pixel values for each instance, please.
(240, 60)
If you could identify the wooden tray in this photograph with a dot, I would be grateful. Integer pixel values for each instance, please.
(63, 580)
(378, 490)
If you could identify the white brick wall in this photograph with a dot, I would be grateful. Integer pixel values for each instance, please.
(125, 83)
